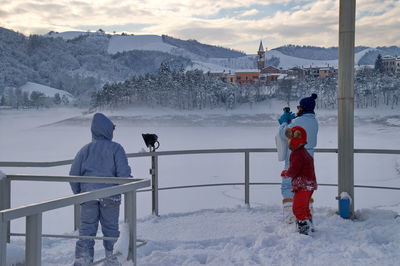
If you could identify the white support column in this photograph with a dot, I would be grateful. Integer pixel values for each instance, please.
(131, 216)
(3, 242)
(346, 99)
(33, 242)
(5, 200)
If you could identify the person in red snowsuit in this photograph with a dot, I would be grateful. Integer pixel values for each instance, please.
(302, 172)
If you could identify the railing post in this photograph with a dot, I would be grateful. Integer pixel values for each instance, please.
(130, 215)
(77, 216)
(154, 183)
(5, 200)
(3, 242)
(126, 208)
(247, 178)
(33, 242)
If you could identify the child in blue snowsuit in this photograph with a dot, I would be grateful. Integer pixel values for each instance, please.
(102, 158)
(306, 119)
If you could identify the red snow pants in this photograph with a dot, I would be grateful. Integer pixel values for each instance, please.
(301, 201)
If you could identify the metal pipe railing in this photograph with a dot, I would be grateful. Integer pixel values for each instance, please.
(130, 211)
(154, 166)
(33, 214)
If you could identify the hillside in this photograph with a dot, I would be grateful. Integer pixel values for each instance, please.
(47, 91)
(78, 65)
(287, 61)
(313, 52)
(365, 55)
(82, 62)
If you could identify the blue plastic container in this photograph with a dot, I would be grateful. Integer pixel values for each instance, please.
(344, 208)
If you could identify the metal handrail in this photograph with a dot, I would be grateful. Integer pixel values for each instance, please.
(33, 214)
(186, 152)
(32, 209)
(79, 179)
(33, 220)
(154, 165)
(255, 183)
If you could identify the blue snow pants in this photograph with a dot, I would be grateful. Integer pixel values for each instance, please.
(105, 211)
(286, 185)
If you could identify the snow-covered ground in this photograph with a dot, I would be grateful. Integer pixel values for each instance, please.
(121, 43)
(67, 35)
(46, 90)
(211, 225)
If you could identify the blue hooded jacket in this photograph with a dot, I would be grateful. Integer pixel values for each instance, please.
(101, 158)
(310, 124)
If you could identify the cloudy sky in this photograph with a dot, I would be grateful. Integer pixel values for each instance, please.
(238, 24)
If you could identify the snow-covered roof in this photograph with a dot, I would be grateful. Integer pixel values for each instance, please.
(247, 71)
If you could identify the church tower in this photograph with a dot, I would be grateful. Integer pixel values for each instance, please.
(261, 57)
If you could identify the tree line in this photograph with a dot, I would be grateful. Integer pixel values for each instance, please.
(197, 90)
(16, 98)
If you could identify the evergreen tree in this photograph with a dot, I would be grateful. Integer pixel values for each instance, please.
(379, 64)
(3, 101)
(38, 99)
(57, 98)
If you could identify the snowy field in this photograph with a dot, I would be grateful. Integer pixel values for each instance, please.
(210, 225)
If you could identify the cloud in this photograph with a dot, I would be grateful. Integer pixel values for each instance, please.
(250, 12)
(302, 22)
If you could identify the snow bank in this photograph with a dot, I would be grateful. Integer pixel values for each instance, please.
(248, 236)
(257, 236)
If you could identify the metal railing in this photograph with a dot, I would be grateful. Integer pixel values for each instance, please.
(154, 174)
(33, 212)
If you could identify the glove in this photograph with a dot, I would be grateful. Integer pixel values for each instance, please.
(284, 173)
(286, 117)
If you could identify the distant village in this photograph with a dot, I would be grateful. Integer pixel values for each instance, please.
(269, 74)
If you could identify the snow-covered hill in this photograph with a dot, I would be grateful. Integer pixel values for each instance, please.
(67, 35)
(287, 61)
(46, 90)
(122, 43)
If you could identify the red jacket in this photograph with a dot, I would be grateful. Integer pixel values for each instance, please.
(301, 170)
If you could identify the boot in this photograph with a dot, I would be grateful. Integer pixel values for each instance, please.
(83, 261)
(288, 216)
(111, 259)
(303, 226)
